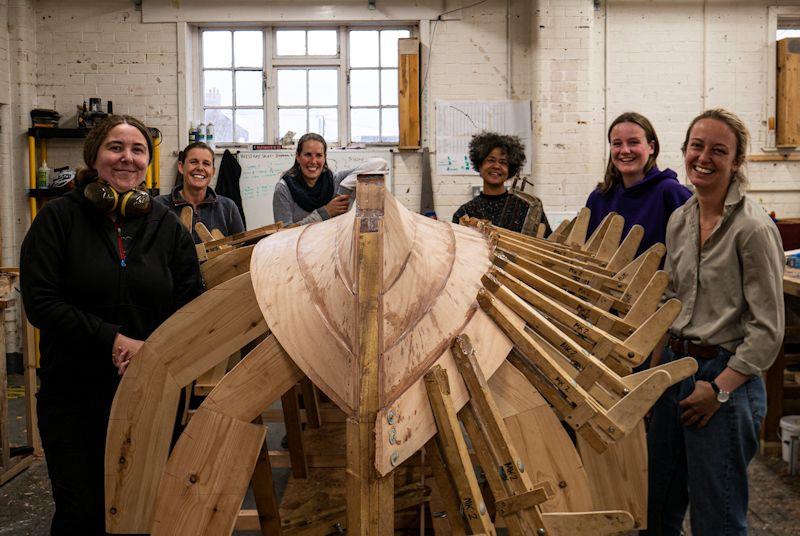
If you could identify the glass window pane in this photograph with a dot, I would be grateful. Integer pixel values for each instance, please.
(389, 46)
(390, 131)
(364, 88)
(293, 119)
(250, 125)
(223, 124)
(364, 48)
(323, 87)
(364, 125)
(324, 121)
(322, 43)
(249, 88)
(389, 87)
(217, 88)
(290, 42)
(291, 87)
(248, 48)
(217, 49)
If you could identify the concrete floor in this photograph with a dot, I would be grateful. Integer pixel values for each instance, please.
(26, 503)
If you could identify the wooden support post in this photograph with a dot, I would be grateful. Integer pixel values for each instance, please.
(311, 402)
(454, 451)
(370, 497)
(444, 504)
(269, 519)
(294, 433)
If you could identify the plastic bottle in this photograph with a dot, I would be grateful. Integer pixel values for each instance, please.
(192, 133)
(42, 176)
(210, 134)
(201, 132)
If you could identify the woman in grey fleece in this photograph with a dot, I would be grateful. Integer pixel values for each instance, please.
(309, 191)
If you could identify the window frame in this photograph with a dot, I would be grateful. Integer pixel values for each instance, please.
(775, 16)
(271, 62)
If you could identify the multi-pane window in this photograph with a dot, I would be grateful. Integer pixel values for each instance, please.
(233, 84)
(373, 85)
(258, 85)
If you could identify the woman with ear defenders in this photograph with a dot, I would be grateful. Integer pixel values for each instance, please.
(101, 268)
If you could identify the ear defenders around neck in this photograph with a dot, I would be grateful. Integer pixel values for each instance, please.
(107, 200)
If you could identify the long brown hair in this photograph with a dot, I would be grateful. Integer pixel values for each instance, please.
(295, 170)
(96, 137)
(613, 176)
(740, 132)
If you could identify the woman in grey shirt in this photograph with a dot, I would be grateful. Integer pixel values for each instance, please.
(309, 191)
(725, 261)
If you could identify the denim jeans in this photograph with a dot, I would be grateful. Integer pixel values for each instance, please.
(705, 468)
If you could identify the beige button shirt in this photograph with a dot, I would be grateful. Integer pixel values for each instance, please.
(732, 287)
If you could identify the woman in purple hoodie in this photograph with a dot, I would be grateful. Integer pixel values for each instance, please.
(633, 186)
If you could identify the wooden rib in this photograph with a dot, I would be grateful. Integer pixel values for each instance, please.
(627, 249)
(220, 321)
(269, 519)
(584, 309)
(631, 409)
(532, 248)
(678, 371)
(559, 233)
(252, 235)
(454, 452)
(589, 523)
(579, 329)
(593, 242)
(577, 235)
(644, 339)
(626, 273)
(453, 523)
(219, 269)
(544, 328)
(595, 297)
(203, 232)
(216, 460)
(611, 239)
(648, 300)
(641, 278)
(542, 245)
(217, 234)
(187, 217)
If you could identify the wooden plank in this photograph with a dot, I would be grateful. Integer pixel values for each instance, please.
(787, 104)
(589, 523)
(227, 266)
(370, 497)
(449, 520)
(593, 242)
(311, 402)
(5, 446)
(15, 467)
(648, 300)
(454, 452)
(197, 337)
(491, 427)
(618, 476)
(267, 514)
(187, 217)
(215, 457)
(294, 433)
(611, 240)
(29, 354)
(541, 441)
(408, 92)
(577, 235)
(203, 232)
(627, 249)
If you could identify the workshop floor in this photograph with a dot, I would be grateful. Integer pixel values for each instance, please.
(26, 503)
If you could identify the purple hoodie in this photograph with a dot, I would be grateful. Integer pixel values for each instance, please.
(649, 203)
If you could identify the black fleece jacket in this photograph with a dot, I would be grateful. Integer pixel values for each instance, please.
(80, 289)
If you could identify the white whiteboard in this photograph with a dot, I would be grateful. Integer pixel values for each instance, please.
(458, 121)
(261, 171)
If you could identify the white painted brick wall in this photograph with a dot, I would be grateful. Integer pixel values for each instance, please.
(663, 59)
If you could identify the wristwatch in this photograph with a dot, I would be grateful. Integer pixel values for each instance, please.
(722, 396)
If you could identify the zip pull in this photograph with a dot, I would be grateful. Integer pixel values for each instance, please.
(119, 245)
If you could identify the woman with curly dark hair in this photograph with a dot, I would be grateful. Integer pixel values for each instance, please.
(497, 157)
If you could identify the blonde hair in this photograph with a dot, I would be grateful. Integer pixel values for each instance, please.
(740, 132)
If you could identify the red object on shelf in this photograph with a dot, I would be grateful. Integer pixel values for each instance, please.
(790, 233)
